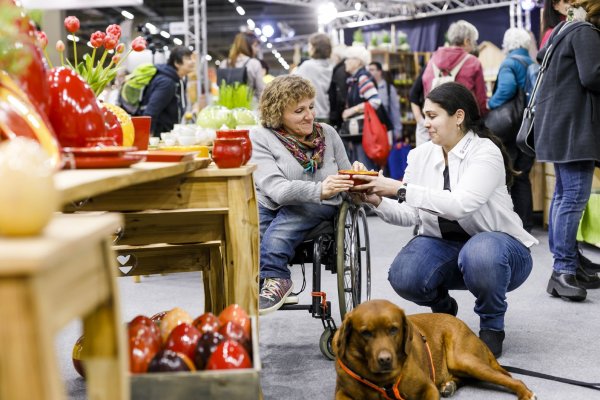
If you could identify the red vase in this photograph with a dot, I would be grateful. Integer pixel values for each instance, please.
(73, 109)
(228, 152)
(113, 126)
(244, 134)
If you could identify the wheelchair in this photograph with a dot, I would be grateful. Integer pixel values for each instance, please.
(342, 247)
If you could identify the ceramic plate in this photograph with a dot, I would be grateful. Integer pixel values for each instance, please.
(108, 151)
(167, 156)
(121, 161)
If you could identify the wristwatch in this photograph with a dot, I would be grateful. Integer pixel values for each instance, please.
(401, 193)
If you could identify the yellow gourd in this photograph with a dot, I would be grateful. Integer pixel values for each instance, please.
(125, 121)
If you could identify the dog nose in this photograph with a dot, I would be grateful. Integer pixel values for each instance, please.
(385, 359)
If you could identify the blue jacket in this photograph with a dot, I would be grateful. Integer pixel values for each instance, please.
(164, 99)
(512, 74)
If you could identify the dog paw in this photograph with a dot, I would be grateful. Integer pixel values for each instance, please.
(448, 389)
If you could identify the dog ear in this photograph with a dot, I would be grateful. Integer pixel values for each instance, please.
(407, 334)
(342, 336)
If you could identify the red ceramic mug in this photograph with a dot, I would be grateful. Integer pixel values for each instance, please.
(141, 126)
(228, 152)
(244, 134)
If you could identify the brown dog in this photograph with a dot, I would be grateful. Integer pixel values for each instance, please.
(383, 354)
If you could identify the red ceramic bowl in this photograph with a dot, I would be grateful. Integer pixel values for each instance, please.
(244, 134)
(355, 175)
(228, 153)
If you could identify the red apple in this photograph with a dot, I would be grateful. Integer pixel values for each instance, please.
(183, 339)
(170, 361)
(207, 344)
(235, 313)
(171, 319)
(233, 331)
(141, 321)
(207, 322)
(229, 355)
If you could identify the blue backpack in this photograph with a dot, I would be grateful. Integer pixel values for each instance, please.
(532, 73)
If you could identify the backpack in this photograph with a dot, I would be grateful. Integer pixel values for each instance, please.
(440, 79)
(132, 91)
(233, 75)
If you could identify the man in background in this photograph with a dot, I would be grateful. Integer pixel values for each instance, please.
(389, 98)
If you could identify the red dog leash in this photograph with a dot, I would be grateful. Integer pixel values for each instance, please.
(394, 389)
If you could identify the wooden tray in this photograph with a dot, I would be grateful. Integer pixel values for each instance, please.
(167, 156)
(238, 384)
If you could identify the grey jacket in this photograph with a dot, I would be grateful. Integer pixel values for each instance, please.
(280, 179)
(319, 73)
(567, 115)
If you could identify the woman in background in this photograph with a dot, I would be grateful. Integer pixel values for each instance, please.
(243, 52)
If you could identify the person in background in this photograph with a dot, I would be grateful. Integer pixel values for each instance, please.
(265, 70)
(512, 75)
(469, 236)
(297, 181)
(318, 70)
(462, 40)
(361, 89)
(553, 13)
(389, 98)
(417, 98)
(566, 133)
(165, 97)
(243, 52)
(338, 89)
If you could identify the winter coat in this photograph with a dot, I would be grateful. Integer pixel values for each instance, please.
(567, 108)
(319, 72)
(337, 93)
(164, 99)
(470, 75)
(511, 76)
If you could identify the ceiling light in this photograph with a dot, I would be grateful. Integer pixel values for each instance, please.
(208, 57)
(257, 31)
(357, 6)
(127, 14)
(269, 45)
(166, 48)
(268, 30)
(264, 38)
(177, 41)
(218, 62)
(165, 34)
(240, 10)
(250, 23)
(232, 1)
(326, 13)
(153, 29)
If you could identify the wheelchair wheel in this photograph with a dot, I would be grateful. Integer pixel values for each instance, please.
(353, 257)
(326, 343)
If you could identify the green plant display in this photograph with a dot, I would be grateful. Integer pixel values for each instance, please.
(374, 41)
(358, 36)
(235, 96)
(386, 38)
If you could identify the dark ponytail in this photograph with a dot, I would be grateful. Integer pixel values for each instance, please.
(453, 96)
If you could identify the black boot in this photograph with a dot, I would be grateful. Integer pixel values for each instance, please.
(566, 287)
(493, 340)
(587, 264)
(446, 306)
(586, 279)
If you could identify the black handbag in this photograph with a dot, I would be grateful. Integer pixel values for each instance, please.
(505, 120)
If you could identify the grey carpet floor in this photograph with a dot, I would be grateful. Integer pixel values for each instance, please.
(542, 333)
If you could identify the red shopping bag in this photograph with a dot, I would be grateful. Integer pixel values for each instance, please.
(375, 137)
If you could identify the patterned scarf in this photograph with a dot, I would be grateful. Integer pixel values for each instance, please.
(299, 147)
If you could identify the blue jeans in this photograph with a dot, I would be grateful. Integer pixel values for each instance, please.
(487, 265)
(571, 194)
(282, 230)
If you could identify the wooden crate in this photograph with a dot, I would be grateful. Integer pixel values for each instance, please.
(241, 384)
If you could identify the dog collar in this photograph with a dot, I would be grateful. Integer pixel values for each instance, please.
(385, 392)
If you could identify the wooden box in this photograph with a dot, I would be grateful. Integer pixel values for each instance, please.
(240, 384)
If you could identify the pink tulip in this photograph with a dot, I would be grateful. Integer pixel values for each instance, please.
(138, 44)
(42, 39)
(72, 24)
(120, 48)
(60, 46)
(114, 30)
(116, 58)
(97, 39)
(110, 42)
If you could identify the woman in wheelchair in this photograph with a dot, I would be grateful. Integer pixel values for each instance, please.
(455, 187)
(297, 179)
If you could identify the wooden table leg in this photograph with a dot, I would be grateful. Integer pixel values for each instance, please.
(101, 350)
(242, 245)
(28, 366)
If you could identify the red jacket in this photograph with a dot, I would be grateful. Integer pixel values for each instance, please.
(470, 75)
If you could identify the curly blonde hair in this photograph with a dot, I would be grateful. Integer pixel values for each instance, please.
(279, 94)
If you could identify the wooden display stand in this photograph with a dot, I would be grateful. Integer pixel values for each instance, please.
(45, 282)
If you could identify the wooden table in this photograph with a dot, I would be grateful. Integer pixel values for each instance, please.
(178, 216)
(45, 282)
